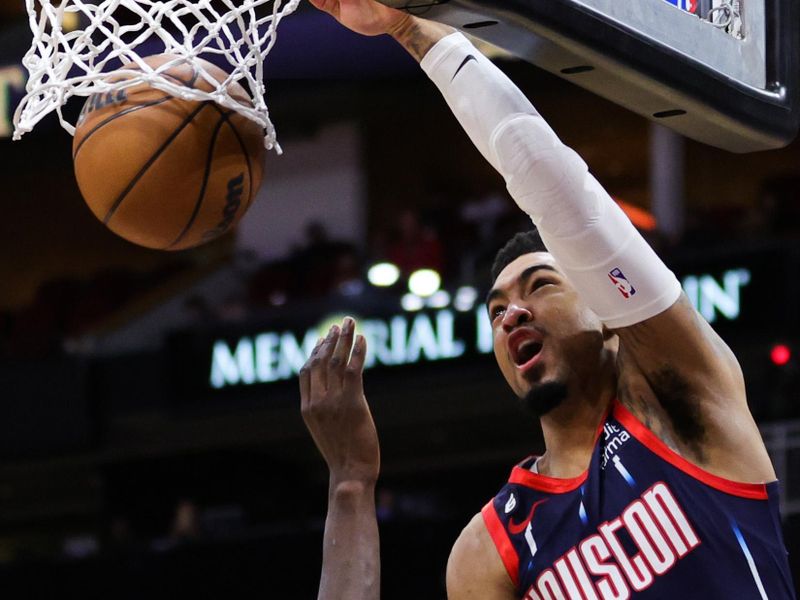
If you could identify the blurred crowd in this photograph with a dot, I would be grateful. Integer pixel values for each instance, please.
(67, 307)
(459, 245)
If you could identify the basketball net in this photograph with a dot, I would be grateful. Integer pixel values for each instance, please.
(236, 34)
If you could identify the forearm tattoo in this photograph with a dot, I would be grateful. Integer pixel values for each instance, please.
(418, 36)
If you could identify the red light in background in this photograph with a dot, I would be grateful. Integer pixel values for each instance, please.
(780, 354)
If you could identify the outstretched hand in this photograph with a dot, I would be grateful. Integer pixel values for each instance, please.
(366, 17)
(334, 408)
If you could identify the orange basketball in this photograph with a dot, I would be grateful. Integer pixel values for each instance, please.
(164, 172)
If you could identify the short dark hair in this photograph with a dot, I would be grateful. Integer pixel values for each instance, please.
(523, 242)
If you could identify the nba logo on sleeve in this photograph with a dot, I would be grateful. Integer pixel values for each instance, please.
(618, 278)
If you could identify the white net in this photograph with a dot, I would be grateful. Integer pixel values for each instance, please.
(234, 34)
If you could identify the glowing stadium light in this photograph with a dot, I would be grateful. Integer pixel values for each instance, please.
(439, 299)
(780, 354)
(383, 274)
(70, 21)
(465, 298)
(424, 282)
(411, 302)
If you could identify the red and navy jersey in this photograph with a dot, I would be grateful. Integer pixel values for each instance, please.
(640, 522)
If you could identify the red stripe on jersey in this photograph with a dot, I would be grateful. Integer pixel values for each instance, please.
(755, 491)
(501, 542)
(553, 485)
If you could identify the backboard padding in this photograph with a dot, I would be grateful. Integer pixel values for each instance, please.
(655, 59)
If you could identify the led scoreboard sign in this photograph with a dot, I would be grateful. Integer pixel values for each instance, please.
(415, 337)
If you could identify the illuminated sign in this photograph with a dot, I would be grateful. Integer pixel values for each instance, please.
(710, 297)
(12, 82)
(415, 337)
(399, 340)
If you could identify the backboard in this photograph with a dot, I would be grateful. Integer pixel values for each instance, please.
(723, 73)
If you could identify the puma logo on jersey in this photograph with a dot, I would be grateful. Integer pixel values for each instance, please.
(599, 568)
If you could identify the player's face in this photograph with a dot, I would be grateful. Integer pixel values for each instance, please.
(543, 332)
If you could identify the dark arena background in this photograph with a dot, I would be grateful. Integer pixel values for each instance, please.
(151, 443)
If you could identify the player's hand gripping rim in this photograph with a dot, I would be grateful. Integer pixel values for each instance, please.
(366, 17)
(334, 408)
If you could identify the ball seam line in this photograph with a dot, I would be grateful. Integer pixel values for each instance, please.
(203, 187)
(150, 162)
(107, 120)
(250, 195)
(155, 102)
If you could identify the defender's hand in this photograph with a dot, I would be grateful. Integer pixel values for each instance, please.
(366, 17)
(334, 408)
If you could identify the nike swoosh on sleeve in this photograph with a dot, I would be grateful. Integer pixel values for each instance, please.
(463, 64)
(515, 528)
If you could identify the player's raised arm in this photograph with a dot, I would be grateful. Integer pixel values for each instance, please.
(337, 416)
(368, 17)
(591, 238)
(675, 371)
(593, 241)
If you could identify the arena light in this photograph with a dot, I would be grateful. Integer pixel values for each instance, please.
(780, 354)
(439, 299)
(641, 219)
(70, 21)
(383, 274)
(411, 302)
(465, 298)
(424, 282)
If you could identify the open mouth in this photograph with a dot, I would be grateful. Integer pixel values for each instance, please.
(526, 352)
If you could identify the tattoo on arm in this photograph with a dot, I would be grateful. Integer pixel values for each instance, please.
(418, 36)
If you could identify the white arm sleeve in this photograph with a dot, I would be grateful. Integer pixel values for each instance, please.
(610, 264)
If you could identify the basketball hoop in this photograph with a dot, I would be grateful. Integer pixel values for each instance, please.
(236, 34)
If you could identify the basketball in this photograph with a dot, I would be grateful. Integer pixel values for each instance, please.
(165, 172)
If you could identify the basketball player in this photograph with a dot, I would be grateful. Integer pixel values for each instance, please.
(655, 482)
